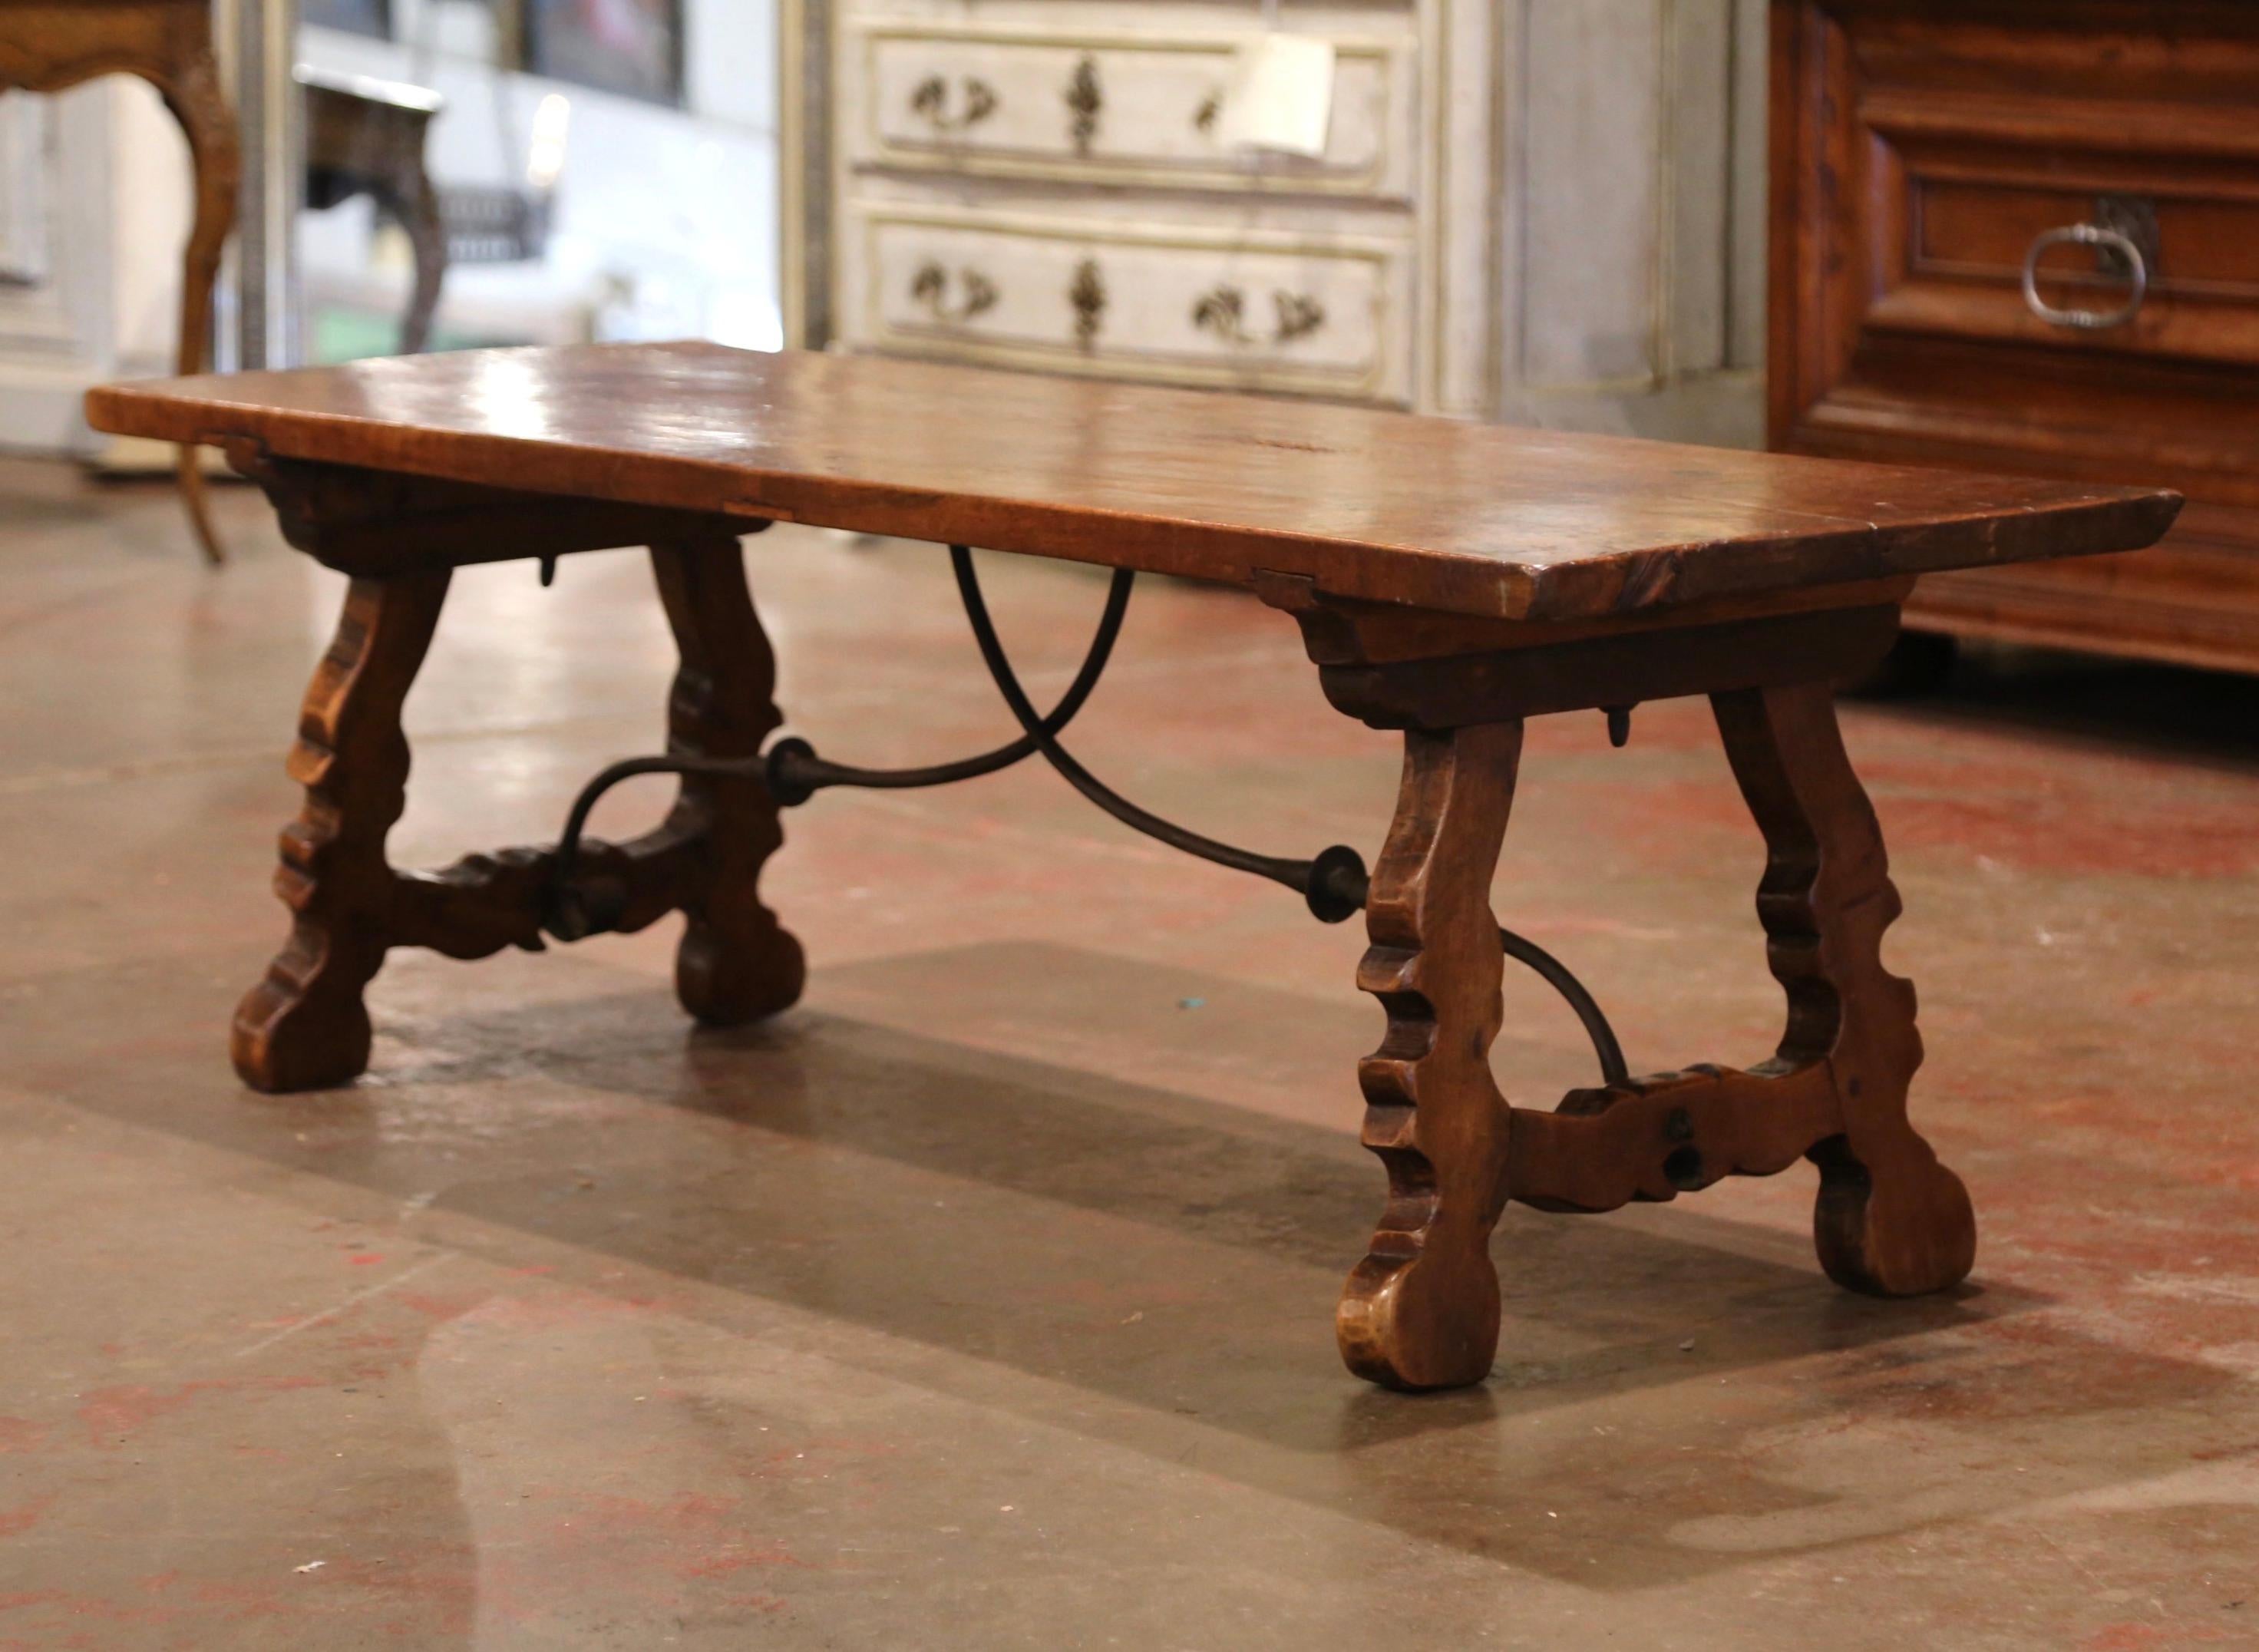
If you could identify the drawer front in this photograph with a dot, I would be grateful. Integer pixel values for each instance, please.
(1925, 158)
(1094, 108)
(2192, 599)
(1249, 311)
(2140, 237)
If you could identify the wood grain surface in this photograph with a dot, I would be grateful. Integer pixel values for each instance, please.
(1919, 151)
(1459, 518)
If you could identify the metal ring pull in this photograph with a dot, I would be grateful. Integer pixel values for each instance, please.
(2123, 246)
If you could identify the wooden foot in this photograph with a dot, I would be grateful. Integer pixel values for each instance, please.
(736, 963)
(304, 1027)
(1421, 1310)
(1890, 1219)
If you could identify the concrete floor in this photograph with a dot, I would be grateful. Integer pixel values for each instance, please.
(984, 1301)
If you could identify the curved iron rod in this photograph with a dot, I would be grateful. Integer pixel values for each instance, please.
(792, 772)
(796, 771)
(1334, 883)
(1327, 899)
(567, 917)
(1555, 974)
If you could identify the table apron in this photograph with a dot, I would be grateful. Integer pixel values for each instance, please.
(1829, 647)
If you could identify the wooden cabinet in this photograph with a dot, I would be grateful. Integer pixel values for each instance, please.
(2025, 237)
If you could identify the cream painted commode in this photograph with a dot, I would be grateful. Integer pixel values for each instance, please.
(1117, 109)
(1047, 184)
(1173, 304)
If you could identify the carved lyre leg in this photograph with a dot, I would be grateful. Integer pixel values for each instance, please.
(1890, 1220)
(1421, 1310)
(304, 1026)
(736, 963)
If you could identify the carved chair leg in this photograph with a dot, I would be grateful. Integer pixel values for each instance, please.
(735, 963)
(304, 1026)
(1890, 1220)
(1421, 1310)
(192, 93)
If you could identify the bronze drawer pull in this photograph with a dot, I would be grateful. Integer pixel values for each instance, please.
(1222, 310)
(1087, 297)
(2120, 248)
(1085, 102)
(929, 287)
(930, 98)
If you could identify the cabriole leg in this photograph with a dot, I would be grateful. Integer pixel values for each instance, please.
(1421, 1310)
(1890, 1219)
(192, 93)
(416, 201)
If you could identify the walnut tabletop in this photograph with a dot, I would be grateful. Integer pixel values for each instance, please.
(1464, 518)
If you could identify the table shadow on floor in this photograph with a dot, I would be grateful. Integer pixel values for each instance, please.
(1158, 1249)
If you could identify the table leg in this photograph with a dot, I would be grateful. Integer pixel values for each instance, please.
(1890, 1219)
(1421, 1310)
(416, 203)
(735, 964)
(304, 1027)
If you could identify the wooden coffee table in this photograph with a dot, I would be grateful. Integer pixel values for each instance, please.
(1450, 581)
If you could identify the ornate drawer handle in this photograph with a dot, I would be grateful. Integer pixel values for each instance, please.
(1298, 313)
(1084, 103)
(930, 98)
(1087, 296)
(929, 287)
(2121, 247)
(1222, 310)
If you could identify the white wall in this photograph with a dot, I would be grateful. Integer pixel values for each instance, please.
(74, 315)
(677, 207)
(674, 208)
(152, 205)
(1632, 264)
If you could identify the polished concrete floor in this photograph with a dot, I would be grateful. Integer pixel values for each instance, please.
(984, 1300)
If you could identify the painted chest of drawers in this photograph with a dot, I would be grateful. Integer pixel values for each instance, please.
(1047, 184)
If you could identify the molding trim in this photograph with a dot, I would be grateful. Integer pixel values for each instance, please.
(27, 159)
